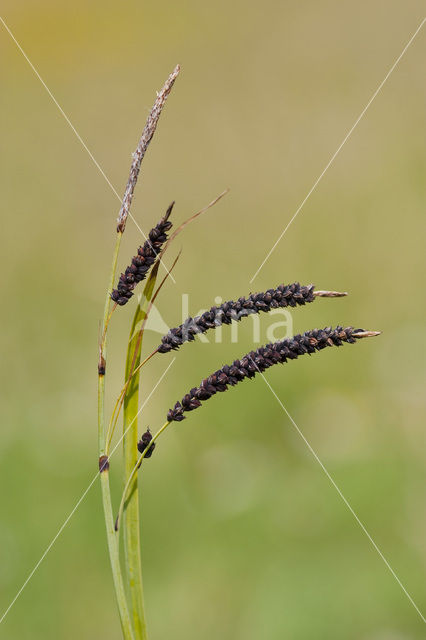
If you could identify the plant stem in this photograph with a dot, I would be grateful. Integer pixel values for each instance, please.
(114, 557)
(112, 538)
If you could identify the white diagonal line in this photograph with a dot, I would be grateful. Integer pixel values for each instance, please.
(78, 136)
(342, 496)
(333, 157)
(49, 547)
(78, 503)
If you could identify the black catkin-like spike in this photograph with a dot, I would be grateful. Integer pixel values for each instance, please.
(283, 296)
(143, 261)
(144, 444)
(262, 359)
(234, 310)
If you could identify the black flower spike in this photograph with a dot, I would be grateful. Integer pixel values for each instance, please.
(234, 310)
(144, 260)
(262, 359)
(144, 444)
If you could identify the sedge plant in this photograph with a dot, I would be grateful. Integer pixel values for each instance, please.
(144, 266)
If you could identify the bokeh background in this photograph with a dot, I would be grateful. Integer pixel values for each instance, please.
(243, 535)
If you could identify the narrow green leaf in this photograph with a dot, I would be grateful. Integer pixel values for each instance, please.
(131, 525)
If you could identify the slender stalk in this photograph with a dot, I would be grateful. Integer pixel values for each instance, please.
(114, 556)
(104, 466)
(102, 350)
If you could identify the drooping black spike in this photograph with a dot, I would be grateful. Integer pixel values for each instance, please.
(263, 358)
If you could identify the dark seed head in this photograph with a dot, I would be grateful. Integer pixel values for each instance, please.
(234, 310)
(143, 261)
(263, 358)
(144, 444)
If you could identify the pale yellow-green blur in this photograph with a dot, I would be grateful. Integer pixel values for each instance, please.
(244, 537)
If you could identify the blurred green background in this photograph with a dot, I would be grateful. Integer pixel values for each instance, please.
(243, 535)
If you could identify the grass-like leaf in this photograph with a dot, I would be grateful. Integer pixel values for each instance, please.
(131, 525)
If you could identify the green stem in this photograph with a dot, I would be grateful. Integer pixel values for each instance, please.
(114, 557)
(112, 538)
